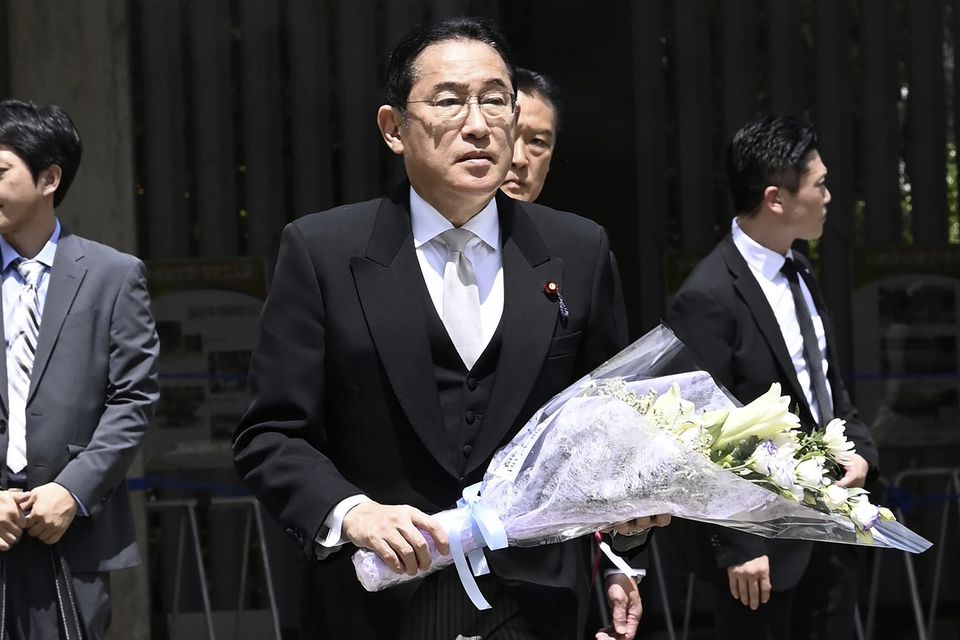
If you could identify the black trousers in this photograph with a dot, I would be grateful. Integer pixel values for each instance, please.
(31, 606)
(820, 607)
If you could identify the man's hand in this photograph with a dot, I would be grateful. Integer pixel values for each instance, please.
(750, 582)
(639, 525)
(13, 504)
(856, 468)
(395, 534)
(52, 512)
(625, 608)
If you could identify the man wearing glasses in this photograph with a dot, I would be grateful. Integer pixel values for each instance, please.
(406, 339)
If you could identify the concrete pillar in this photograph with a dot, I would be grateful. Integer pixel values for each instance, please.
(74, 54)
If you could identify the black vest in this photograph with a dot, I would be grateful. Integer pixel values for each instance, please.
(463, 394)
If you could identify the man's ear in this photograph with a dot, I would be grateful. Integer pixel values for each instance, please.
(772, 199)
(389, 120)
(49, 179)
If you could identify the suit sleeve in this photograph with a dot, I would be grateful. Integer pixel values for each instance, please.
(707, 327)
(132, 392)
(279, 443)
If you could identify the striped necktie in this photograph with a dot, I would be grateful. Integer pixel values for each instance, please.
(21, 349)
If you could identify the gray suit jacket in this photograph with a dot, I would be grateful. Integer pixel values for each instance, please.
(92, 392)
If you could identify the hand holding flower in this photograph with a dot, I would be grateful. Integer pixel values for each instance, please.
(856, 468)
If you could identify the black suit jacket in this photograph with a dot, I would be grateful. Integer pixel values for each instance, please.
(344, 397)
(722, 315)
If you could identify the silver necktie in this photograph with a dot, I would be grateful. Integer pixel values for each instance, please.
(461, 298)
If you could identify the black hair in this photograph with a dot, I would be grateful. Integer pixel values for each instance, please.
(401, 71)
(41, 136)
(531, 82)
(771, 151)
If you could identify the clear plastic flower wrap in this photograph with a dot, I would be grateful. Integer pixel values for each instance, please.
(605, 451)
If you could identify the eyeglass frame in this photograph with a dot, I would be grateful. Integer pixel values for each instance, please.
(471, 99)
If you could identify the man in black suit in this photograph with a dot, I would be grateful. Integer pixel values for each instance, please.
(740, 314)
(375, 402)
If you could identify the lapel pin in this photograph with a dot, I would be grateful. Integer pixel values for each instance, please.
(552, 291)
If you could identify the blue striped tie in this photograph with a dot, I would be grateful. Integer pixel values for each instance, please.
(22, 347)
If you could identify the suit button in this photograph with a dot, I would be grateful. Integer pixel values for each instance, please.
(467, 448)
(461, 481)
(471, 417)
(471, 383)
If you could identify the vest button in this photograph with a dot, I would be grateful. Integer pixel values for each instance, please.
(471, 383)
(471, 417)
(3, 425)
(467, 448)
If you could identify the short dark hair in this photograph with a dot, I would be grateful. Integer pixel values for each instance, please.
(41, 136)
(771, 151)
(531, 82)
(401, 74)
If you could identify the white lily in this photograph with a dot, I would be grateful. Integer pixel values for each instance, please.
(765, 417)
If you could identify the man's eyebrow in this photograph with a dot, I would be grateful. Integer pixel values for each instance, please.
(460, 86)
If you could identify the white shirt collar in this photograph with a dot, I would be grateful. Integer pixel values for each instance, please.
(761, 259)
(45, 256)
(427, 223)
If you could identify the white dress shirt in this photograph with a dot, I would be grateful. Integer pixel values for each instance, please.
(765, 266)
(484, 253)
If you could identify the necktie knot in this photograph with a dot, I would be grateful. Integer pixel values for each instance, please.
(456, 239)
(30, 271)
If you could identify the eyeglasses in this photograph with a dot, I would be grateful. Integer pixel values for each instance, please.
(448, 104)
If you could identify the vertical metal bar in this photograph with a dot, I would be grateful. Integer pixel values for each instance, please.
(244, 561)
(179, 571)
(938, 564)
(688, 604)
(268, 575)
(662, 584)
(201, 573)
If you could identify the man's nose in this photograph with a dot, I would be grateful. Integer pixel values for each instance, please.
(519, 154)
(476, 122)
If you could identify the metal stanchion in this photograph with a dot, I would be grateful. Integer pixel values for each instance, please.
(189, 508)
(950, 497)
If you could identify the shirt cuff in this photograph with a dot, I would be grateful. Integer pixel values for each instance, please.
(330, 533)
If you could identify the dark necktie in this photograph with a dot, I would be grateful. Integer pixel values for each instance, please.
(811, 346)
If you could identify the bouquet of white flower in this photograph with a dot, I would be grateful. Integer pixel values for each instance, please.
(643, 435)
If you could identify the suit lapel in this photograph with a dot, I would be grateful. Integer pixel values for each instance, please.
(65, 278)
(390, 287)
(529, 320)
(749, 289)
